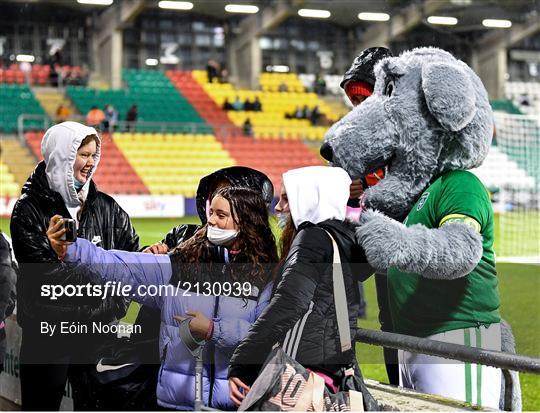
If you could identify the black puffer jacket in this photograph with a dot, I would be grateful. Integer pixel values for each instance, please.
(101, 219)
(237, 176)
(301, 316)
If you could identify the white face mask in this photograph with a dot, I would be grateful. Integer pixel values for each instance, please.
(282, 219)
(218, 236)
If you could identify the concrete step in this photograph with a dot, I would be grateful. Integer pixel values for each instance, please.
(50, 99)
(391, 398)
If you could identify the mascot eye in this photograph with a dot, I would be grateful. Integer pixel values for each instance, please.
(389, 89)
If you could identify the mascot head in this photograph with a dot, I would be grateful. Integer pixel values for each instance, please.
(429, 114)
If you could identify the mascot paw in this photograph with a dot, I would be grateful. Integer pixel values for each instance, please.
(380, 237)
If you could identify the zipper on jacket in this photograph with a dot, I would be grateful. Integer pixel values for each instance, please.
(213, 359)
(163, 357)
(212, 351)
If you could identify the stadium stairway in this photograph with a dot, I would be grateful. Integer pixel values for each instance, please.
(17, 158)
(50, 98)
(115, 175)
(271, 157)
(203, 103)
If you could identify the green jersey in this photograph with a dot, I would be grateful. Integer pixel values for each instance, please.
(423, 307)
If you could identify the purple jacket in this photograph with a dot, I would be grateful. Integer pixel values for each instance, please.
(232, 318)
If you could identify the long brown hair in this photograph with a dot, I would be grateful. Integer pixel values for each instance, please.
(255, 240)
(287, 237)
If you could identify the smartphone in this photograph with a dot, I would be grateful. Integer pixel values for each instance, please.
(71, 230)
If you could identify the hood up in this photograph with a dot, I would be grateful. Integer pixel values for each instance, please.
(317, 193)
(238, 176)
(59, 148)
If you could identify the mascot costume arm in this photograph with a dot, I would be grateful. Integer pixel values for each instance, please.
(449, 252)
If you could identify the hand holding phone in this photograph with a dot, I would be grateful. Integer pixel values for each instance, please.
(61, 234)
(70, 235)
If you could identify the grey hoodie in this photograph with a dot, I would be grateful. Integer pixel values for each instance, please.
(59, 148)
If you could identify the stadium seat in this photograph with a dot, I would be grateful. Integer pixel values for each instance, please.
(173, 163)
(160, 105)
(16, 100)
(271, 123)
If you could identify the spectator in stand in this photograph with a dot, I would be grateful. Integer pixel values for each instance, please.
(248, 106)
(237, 104)
(54, 75)
(62, 113)
(95, 117)
(212, 68)
(257, 106)
(315, 116)
(57, 58)
(227, 105)
(111, 118)
(306, 113)
(283, 87)
(320, 85)
(247, 128)
(84, 76)
(26, 68)
(131, 117)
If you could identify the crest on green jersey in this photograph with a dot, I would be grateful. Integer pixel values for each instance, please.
(422, 201)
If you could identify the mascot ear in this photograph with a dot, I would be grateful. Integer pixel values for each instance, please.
(450, 95)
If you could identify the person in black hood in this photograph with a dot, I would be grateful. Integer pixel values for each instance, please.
(358, 83)
(302, 317)
(236, 176)
(359, 80)
(62, 184)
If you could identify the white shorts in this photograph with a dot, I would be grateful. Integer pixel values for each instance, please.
(472, 383)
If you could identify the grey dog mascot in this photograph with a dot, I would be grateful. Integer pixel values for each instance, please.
(429, 222)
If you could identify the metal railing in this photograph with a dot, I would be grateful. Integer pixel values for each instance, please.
(46, 122)
(451, 351)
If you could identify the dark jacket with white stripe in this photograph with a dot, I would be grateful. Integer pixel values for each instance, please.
(301, 316)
